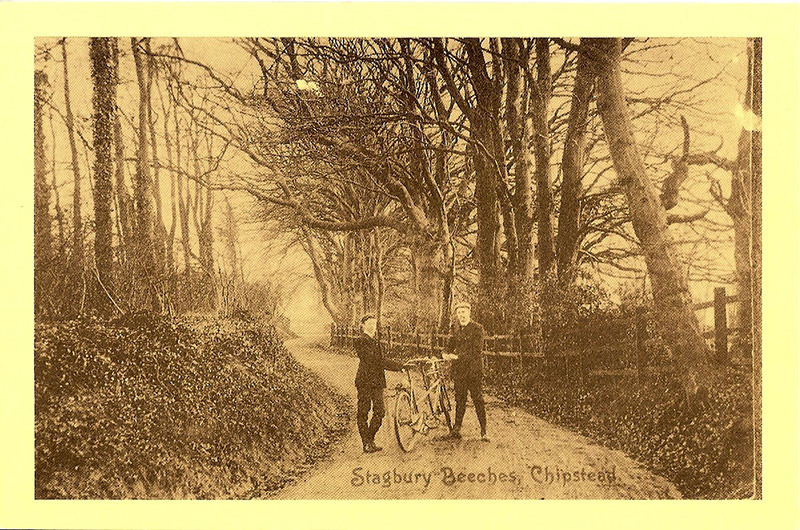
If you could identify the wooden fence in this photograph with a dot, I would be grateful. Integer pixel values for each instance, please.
(721, 331)
(632, 358)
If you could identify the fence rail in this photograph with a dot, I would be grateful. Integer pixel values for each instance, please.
(630, 358)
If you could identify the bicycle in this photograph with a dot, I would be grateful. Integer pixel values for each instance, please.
(411, 421)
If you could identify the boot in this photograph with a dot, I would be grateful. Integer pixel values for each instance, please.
(370, 447)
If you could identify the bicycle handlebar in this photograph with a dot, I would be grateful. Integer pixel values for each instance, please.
(420, 360)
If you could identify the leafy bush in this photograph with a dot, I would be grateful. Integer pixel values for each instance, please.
(144, 407)
(706, 451)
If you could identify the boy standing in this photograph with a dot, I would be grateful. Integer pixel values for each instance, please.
(370, 382)
(466, 342)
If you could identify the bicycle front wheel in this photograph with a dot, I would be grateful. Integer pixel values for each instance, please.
(445, 408)
(404, 417)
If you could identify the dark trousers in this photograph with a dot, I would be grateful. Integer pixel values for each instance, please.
(369, 398)
(473, 385)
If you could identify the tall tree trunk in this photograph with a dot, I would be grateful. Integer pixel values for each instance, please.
(497, 155)
(676, 318)
(143, 186)
(572, 169)
(206, 235)
(364, 273)
(203, 204)
(428, 282)
(379, 278)
(183, 201)
(159, 231)
(349, 279)
(487, 245)
(429, 245)
(77, 222)
(229, 234)
(755, 256)
(544, 197)
(441, 177)
(104, 57)
(332, 295)
(740, 211)
(170, 236)
(449, 258)
(54, 185)
(519, 133)
(125, 212)
(415, 287)
(42, 236)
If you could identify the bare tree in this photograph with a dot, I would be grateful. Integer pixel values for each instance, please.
(125, 212)
(77, 224)
(516, 64)
(159, 230)
(542, 91)
(678, 322)
(572, 168)
(42, 235)
(143, 185)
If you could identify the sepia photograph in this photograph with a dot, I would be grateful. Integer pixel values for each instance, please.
(342, 266)
(397, 268)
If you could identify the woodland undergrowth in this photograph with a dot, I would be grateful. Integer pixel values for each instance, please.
(150, 407)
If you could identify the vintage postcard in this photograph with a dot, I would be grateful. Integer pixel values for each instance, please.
(331, 252)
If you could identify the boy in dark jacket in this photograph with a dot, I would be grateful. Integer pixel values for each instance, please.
(466, 342)
(370, 382)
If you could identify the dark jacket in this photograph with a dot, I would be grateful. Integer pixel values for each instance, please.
(372, 364)
(467, 343)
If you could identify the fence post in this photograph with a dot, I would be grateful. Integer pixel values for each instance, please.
(720, 324)
(641, 330)
(389, 338)
(433, 340)
(333, 333)
(418, 343)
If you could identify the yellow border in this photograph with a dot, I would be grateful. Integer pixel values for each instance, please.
(778, 24)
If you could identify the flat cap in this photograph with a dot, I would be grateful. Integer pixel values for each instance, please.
(462, 304)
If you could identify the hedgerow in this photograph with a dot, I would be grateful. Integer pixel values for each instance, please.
(146, 407)
(705, 448)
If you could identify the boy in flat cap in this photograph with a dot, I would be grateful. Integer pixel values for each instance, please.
(370, 382)
(466, 342)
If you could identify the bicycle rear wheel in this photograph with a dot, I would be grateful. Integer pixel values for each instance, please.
(404, 417)
(445, 407)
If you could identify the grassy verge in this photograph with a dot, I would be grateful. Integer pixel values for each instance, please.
(193, 408)
(706, 450)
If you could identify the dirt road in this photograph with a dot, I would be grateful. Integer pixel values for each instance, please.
(527, 458)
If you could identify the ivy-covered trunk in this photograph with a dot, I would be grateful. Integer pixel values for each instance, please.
(104, 57)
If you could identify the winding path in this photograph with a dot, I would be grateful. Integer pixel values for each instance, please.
(527, 458)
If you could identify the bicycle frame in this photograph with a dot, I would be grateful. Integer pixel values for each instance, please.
(432, 382)
(414, 419)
